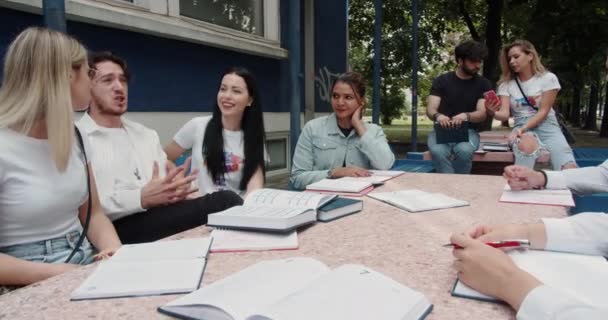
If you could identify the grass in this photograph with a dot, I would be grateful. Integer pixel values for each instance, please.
(400, 131)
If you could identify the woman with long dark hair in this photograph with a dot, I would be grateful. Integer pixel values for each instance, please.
(341, 144)
(228, 147)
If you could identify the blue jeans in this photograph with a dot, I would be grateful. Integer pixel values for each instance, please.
(453, 157)
(53, 251)
(549, 137)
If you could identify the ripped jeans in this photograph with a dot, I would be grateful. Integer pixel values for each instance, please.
(549, 137)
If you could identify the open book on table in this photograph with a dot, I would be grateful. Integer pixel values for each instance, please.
(154, 268)
(302, 288)
(272, 210)
(226, 240)
(354, 187)
(582, 276)
(417, 200)
(377, 177)
(555, 197)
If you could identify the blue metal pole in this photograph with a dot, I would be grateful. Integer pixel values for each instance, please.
(414, 74)
(54, 14)
(377, 61)
(294, 71)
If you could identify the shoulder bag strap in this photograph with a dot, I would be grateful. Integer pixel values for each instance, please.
(524, 94)
(85, 228)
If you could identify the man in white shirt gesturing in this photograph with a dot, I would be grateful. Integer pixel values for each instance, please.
(145, 200)
(492, 272)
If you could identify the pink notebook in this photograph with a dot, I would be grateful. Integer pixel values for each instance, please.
(549, 197)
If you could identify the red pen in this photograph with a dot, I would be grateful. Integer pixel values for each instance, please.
(514, 243)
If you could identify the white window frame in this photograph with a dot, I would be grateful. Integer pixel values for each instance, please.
(280, 135)
(161, 18)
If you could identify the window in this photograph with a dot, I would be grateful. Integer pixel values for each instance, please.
(241, 15)
(247, 26)
(277, 146)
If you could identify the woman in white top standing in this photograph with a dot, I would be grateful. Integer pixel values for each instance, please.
(43, 180)
(227, 147)
(536, 125)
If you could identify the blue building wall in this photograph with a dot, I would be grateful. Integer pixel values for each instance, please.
(175, 76)
(169, 75)
(331, 48)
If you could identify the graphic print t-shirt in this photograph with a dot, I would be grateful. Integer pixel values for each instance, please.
(534, 89)
(191, 136)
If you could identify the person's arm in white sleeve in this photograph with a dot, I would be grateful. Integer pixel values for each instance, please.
(580, 180)
(183, 140)
(547, 303)
(582, 233)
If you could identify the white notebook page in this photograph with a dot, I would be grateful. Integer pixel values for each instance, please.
(257, 287)
(351, 292)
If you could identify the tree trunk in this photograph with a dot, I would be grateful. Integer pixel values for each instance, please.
(493, 43)
(575, 114)
(591, 121)
(604, 129)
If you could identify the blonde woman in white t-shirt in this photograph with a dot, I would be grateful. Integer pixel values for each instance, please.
(228, 147)
(536, 125)
(43, 190)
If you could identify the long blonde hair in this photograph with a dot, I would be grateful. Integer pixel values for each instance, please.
(525, 46)
(36, 86)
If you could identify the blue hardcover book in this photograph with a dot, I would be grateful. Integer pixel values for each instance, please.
(338, 208)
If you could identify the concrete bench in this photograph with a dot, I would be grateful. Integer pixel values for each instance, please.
(493, 162)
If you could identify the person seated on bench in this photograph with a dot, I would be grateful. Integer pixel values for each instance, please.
(536, 125)
(228, 148)
(456, 97)
(144, 200)
(44, 200)
(341, 144)
(492, 272)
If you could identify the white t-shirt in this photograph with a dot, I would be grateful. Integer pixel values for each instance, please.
(37, 202)
(533, 87)
(191, 136)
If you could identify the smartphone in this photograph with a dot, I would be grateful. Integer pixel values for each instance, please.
(491, 96)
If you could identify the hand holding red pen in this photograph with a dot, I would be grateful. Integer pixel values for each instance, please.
(490, 271)
(503, 244)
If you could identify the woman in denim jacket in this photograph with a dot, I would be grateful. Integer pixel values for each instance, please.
(341, 144)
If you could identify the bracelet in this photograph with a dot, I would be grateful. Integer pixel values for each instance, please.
(468, 116)
(544, 175)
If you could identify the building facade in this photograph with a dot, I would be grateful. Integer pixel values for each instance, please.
(177, 51)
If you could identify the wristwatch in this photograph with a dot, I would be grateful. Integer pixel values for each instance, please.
(468, 116)
(329, 173)
(435, 116)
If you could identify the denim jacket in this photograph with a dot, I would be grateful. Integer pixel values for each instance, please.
(322, 146)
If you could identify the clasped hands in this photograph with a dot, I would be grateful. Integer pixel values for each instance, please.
(452, 123)
(174, 187)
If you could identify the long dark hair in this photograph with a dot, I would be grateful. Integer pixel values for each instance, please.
(252, 125)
